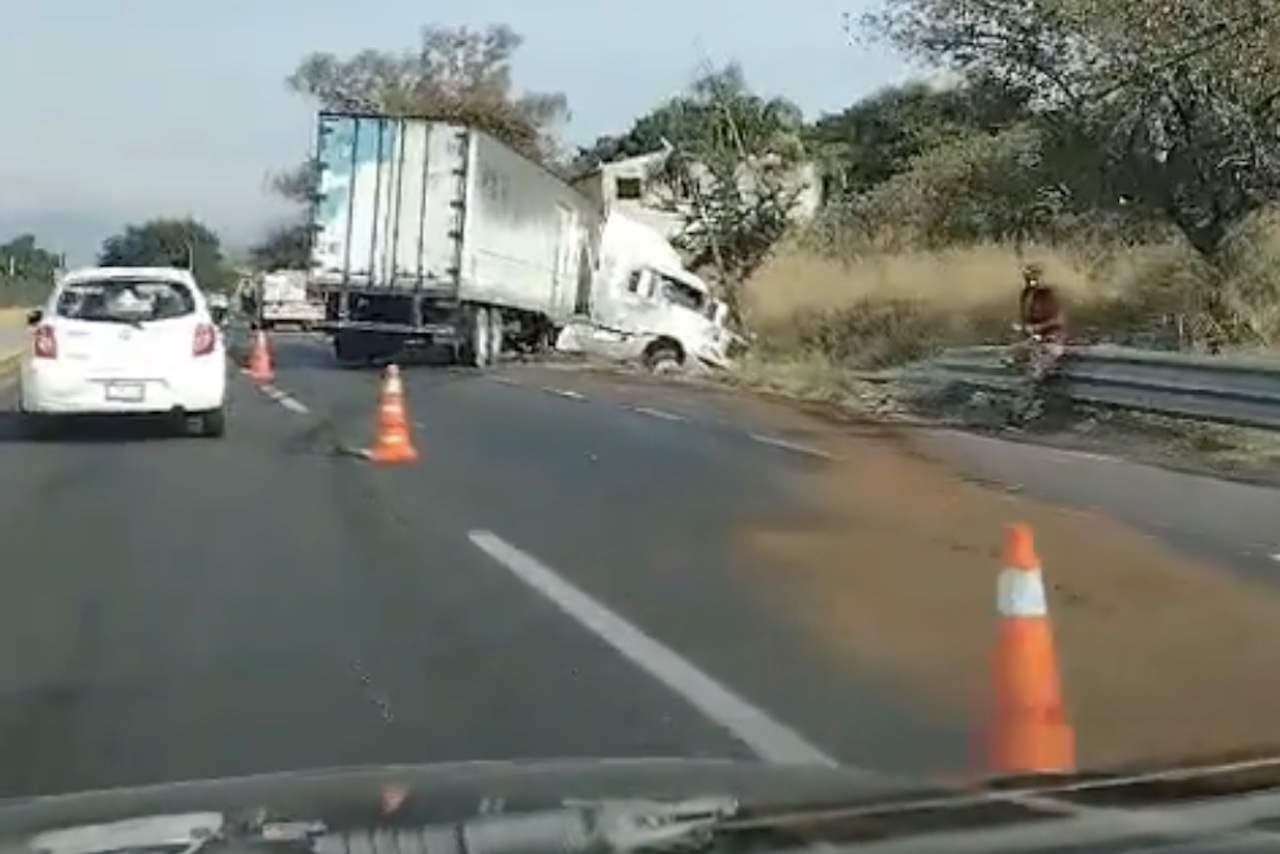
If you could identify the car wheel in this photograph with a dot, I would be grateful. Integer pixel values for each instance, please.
(213, 423)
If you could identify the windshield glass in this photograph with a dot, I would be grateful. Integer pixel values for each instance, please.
(676, 292)
(125, 300)
(980, 475)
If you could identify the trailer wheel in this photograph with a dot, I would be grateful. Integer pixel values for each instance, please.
(496, 333)
(476, 351)
(350, 351)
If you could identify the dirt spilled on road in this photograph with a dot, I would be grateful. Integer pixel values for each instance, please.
(1163, 657)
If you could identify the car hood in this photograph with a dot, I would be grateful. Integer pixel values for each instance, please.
(451, 792)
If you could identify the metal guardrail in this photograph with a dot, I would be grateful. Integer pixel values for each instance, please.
(1236, 390)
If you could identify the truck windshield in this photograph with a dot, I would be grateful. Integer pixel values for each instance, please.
(679, 293)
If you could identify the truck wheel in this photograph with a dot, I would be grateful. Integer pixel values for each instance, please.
(478, 349)
(664, 356)
(496, 334)
(347, 354)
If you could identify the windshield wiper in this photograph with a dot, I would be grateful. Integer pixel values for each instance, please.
(676, 827)
(640, 825)
(590, 827)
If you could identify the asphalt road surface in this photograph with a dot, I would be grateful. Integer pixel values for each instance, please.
(1230, 522)
(548, 581)
(552, 579)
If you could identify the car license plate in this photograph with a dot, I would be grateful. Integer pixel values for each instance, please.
(126, 392)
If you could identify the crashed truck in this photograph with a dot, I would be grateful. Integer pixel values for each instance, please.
(430, 235)
(283, 298)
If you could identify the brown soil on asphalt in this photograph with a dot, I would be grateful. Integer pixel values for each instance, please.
(1163, 657)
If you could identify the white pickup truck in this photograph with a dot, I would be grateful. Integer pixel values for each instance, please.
(284, 301)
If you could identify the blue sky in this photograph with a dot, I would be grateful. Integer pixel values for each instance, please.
(131, 108)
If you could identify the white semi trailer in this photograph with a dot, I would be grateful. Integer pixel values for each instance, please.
(428, 233)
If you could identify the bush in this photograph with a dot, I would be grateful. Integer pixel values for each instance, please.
(868, 308)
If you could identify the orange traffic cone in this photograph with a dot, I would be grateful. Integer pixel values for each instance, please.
(260, 359)
(392, 443)
(1029, 733)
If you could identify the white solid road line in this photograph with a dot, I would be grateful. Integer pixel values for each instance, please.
(766, 737)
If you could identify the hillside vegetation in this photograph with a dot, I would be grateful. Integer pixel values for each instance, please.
(1128, 146)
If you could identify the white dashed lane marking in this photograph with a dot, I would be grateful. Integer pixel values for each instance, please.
(285, 400)
(772, 441)
(658, 413)
(564, 392)
(794, 447)
(294, 405)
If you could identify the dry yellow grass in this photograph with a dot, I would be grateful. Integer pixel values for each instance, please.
(13, 316)
(878, 308)
(959, 279)
(802, 300)
(820, 319)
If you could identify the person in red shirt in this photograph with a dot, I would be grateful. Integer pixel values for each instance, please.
(1042, 320)
(1040, 311)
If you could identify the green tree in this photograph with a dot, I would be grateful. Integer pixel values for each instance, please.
(285, 247)
(731, 173)
(452, 74)
(24, 258)
(170, 243)
(879, 136)
(679, 122)
(1180, 94)
(298, 184)
(27, 270)
(931, 165)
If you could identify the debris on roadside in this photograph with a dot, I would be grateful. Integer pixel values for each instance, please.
(657, 354)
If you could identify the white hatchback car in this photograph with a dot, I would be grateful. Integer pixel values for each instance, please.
(125, 340)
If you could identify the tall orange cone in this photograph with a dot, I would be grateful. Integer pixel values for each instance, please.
(392, 443)
(1030, 733)
(260, 367)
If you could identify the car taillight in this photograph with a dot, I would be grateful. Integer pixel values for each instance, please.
(205, 340)
(45, 343)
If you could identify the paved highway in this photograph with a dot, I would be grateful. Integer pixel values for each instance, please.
(556, 577)
(550, 580)
(1231, 522)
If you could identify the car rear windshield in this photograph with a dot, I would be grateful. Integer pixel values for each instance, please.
(120, 300)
